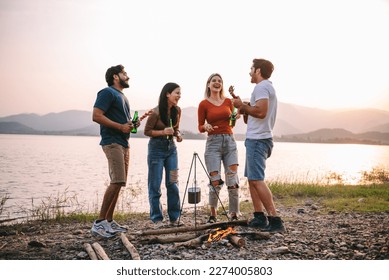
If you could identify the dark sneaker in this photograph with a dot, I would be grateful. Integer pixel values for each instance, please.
(212, 220)
(102, 229)
(116, 227)
(275, 225)
(233, 217)
(259, 221)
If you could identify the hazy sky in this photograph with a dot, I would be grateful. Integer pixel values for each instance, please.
(327, 54)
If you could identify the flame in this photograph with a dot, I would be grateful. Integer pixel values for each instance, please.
(219, 234)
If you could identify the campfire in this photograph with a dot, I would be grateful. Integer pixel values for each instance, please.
(218, 234)
(197, 235)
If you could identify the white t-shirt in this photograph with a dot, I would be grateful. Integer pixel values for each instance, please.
(262, 128)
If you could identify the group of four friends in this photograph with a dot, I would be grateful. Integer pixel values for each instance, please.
(112, 111)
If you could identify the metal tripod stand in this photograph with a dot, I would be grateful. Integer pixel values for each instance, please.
(195, 198)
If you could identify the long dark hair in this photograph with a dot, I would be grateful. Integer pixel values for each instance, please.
(163, 106)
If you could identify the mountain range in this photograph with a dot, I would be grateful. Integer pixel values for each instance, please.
(294, 123)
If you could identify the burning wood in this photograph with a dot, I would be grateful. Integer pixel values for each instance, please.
(191, 228)
(219, 234)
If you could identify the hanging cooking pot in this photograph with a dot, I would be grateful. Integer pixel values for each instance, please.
(194, 195)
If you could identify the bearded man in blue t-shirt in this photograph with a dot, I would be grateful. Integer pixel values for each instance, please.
(112, 111)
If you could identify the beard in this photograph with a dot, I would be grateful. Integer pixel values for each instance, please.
(124, 83)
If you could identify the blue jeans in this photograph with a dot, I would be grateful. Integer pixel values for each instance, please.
(221, 148)
(162, 153)
(257, 151)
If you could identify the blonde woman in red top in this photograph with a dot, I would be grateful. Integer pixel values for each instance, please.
(214, 114)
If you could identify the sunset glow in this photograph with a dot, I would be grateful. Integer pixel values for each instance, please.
(327, 54)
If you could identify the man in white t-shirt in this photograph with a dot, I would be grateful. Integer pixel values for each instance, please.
(261, 114)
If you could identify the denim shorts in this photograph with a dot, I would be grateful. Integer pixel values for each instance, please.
(220, 148)
(118, 159)
(257, 151)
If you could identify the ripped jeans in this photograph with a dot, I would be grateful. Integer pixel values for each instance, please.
(221, 148)
(162, 153)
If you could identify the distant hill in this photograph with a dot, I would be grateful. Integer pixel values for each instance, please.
(305, 119)
(16, 128)
(67, 120)
(293, 122)
(338, 136)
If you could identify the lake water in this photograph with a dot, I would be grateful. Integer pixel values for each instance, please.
(38, 169)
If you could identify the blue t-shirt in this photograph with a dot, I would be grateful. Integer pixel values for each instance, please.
(116, 108)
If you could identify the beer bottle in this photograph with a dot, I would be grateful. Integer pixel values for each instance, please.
(134, 121)
(171, 125)
(233, 118)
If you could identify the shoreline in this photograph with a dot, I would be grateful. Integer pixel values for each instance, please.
(311, 235)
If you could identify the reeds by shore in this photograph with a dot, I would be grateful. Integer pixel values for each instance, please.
(371, 195)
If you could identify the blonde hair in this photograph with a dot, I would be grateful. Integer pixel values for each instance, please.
(207, 92)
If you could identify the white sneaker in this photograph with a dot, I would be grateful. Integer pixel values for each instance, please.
(102, 229)
(158, 224)
(115, 227)
(176, 224)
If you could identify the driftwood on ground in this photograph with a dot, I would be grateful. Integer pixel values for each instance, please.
(92, 254)
(131, 248)
(236, 240)
(152, 239)
(100, 251)
(256, 235)
(193, 242)
(2, 246)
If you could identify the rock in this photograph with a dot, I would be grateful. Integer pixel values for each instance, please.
(82, 255)
(278, 235)
(8, 233)
(308, 202)
(330, 256)
(280, 250)
(37, 244)
(359, 255)
(360, 246)
(314, 207)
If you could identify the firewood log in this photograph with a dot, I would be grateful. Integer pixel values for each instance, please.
(152, 239)
(237, 241)
(256, 235)
(100, 251)
(131, 248)
(192, 228)
(90, 251)
(193, 242)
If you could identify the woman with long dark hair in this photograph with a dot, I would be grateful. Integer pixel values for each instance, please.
(162, 126)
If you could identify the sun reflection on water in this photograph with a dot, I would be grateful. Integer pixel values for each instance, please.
(326, 163)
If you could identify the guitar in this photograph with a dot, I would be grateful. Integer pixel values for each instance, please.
(231, 91)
